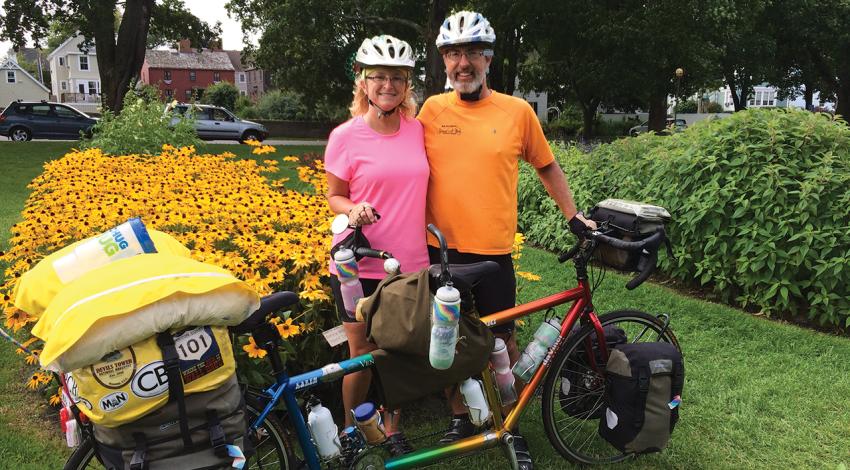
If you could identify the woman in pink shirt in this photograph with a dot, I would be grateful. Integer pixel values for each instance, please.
(375, 163)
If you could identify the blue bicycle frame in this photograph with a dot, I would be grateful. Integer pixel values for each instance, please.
(286, 386)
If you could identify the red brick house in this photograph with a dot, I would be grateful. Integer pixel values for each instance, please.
(186, 73)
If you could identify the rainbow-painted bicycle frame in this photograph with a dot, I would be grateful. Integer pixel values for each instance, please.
(286, 387)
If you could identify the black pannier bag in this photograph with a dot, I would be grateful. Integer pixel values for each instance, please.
(643, 385)
(628, 221)
(580, 383)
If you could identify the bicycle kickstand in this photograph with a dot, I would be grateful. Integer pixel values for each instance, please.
(508, 448)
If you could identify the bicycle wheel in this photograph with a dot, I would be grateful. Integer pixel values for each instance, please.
(83, 457)
(573, 390)
(271, 449)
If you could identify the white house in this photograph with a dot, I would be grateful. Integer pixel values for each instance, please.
(74, 75)
(17, 84)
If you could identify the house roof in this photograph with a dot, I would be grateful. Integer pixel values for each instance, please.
(76, 49)
(9, 63)
(236, 60)
(206, 60)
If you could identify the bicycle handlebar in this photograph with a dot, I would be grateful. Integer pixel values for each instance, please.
(445, 276)
(370, 253)
(647, 247)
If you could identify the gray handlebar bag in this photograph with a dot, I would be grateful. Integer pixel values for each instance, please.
(398, 321)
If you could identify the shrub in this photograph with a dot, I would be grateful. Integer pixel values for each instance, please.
(689, 106)
(222, 94)
(714, 107)
(281, 105)
(142, 127)
(760, 203)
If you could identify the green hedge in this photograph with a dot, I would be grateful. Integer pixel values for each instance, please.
(760, 204)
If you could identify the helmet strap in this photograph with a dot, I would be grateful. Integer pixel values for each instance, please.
(474, 96)
(382, 113)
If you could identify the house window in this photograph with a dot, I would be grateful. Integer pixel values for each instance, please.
(62, 61)
(169, 93)
(242, 92)
(241, 78)
(189, 95)
(166, 75)
(64, 85)
(84, 62)
(93, 87)
(11, 77)
(216, 77)
(192, 76)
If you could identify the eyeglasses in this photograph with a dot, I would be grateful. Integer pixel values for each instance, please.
(397, 80)
(471, 55)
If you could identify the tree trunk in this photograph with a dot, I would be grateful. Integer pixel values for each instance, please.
(740, 102)
(588, 115)
(119, 59)
(809, 96)
(658, 111)
(842, 90)
(435, 70)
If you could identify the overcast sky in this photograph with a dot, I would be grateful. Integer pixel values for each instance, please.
(207, 10)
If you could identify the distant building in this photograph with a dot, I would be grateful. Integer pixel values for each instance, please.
(184, 74)
(74, 75)
(259, 82)
(241, 76)
(17, 84)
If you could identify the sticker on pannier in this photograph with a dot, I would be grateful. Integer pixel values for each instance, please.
(132, 382)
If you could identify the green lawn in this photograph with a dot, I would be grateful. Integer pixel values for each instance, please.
(758, 393)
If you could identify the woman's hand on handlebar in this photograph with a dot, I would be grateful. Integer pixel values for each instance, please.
(362, 214)
(579, 225)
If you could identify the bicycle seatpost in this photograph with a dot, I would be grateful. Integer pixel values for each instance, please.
(445, 276)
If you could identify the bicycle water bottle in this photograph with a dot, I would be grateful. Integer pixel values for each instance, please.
(348, 274)
(323, 429)
(545, 336)
(502, 367)
(128, 239)
(476, 403)
(445, 314)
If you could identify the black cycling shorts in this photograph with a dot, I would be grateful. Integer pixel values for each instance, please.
(496, 292)
(369, 286)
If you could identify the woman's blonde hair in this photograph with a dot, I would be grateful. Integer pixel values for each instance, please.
(360, 103)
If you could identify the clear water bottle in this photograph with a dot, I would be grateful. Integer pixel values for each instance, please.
(502, 367)
(128, 239)
(445, 314)
(473, 396)
(323, 429)
(545, 336)
(348, 274)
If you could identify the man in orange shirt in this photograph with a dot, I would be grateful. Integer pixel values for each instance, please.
(475, 138)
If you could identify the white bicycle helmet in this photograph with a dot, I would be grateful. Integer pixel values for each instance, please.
(465, 27)
(385, 50)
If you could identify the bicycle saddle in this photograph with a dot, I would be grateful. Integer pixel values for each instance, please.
(464, 276)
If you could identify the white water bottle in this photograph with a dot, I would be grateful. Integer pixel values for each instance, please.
(473, 396)
(348, 274)
(323, 429)
(502, 367)
(445, 314)
(128, 239)
(545, 336)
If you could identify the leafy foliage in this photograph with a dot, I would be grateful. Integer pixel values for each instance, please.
(141, 128)
(688, 106)
(760, 204)
(222, 94)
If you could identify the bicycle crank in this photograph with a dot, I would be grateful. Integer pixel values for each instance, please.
(372, 459)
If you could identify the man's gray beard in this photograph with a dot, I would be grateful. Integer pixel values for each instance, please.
(468, 87)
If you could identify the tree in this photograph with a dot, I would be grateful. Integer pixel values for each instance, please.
(222, 94)
(120, 49)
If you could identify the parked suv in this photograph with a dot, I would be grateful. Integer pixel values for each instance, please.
(215, 123)
(25, 120)
(679, 126)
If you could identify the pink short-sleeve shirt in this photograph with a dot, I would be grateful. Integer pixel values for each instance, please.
(391, 173)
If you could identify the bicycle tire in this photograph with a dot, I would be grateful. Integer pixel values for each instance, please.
(270, 453)
(574, 435)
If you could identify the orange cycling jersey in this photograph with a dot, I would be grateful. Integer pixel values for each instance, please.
(473, 151)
